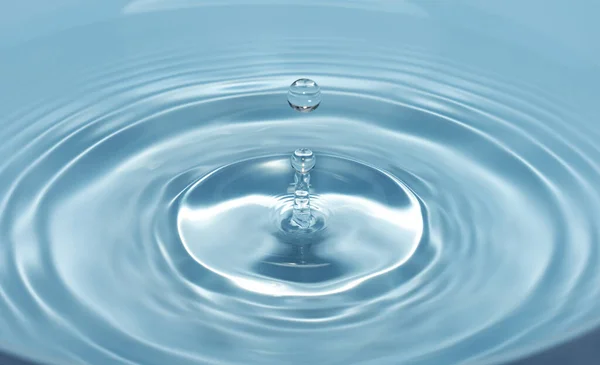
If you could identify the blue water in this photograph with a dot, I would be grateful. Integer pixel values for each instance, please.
(145, 182)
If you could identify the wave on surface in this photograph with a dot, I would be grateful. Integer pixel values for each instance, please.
(92, 177)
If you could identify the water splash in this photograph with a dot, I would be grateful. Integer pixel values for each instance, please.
(140, 190)
(302, 160)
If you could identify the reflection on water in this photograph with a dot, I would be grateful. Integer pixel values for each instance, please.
(145, 162)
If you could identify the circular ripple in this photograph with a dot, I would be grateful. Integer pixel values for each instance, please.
(102, 160)
(372, 225)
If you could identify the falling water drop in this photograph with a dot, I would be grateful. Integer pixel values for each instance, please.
(304, 95)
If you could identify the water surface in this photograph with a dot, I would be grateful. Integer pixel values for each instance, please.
(459, 181)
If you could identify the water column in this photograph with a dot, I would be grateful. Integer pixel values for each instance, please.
(303, 160)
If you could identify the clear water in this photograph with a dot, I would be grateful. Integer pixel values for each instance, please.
(145, 175)
(303, 160)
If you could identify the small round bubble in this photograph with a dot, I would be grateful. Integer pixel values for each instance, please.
(303, 160)
(304, 95)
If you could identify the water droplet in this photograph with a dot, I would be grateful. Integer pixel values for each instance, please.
(303, 160)
(304, 95)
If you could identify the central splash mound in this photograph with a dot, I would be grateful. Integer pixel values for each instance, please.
(366, 223)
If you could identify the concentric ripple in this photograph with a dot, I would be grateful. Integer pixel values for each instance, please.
(231, 210)
(465, 203)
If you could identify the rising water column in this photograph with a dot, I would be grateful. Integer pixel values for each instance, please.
(303, 160)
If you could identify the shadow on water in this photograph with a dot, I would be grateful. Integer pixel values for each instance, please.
(297, 260)
(6, 359)
(582, 350)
